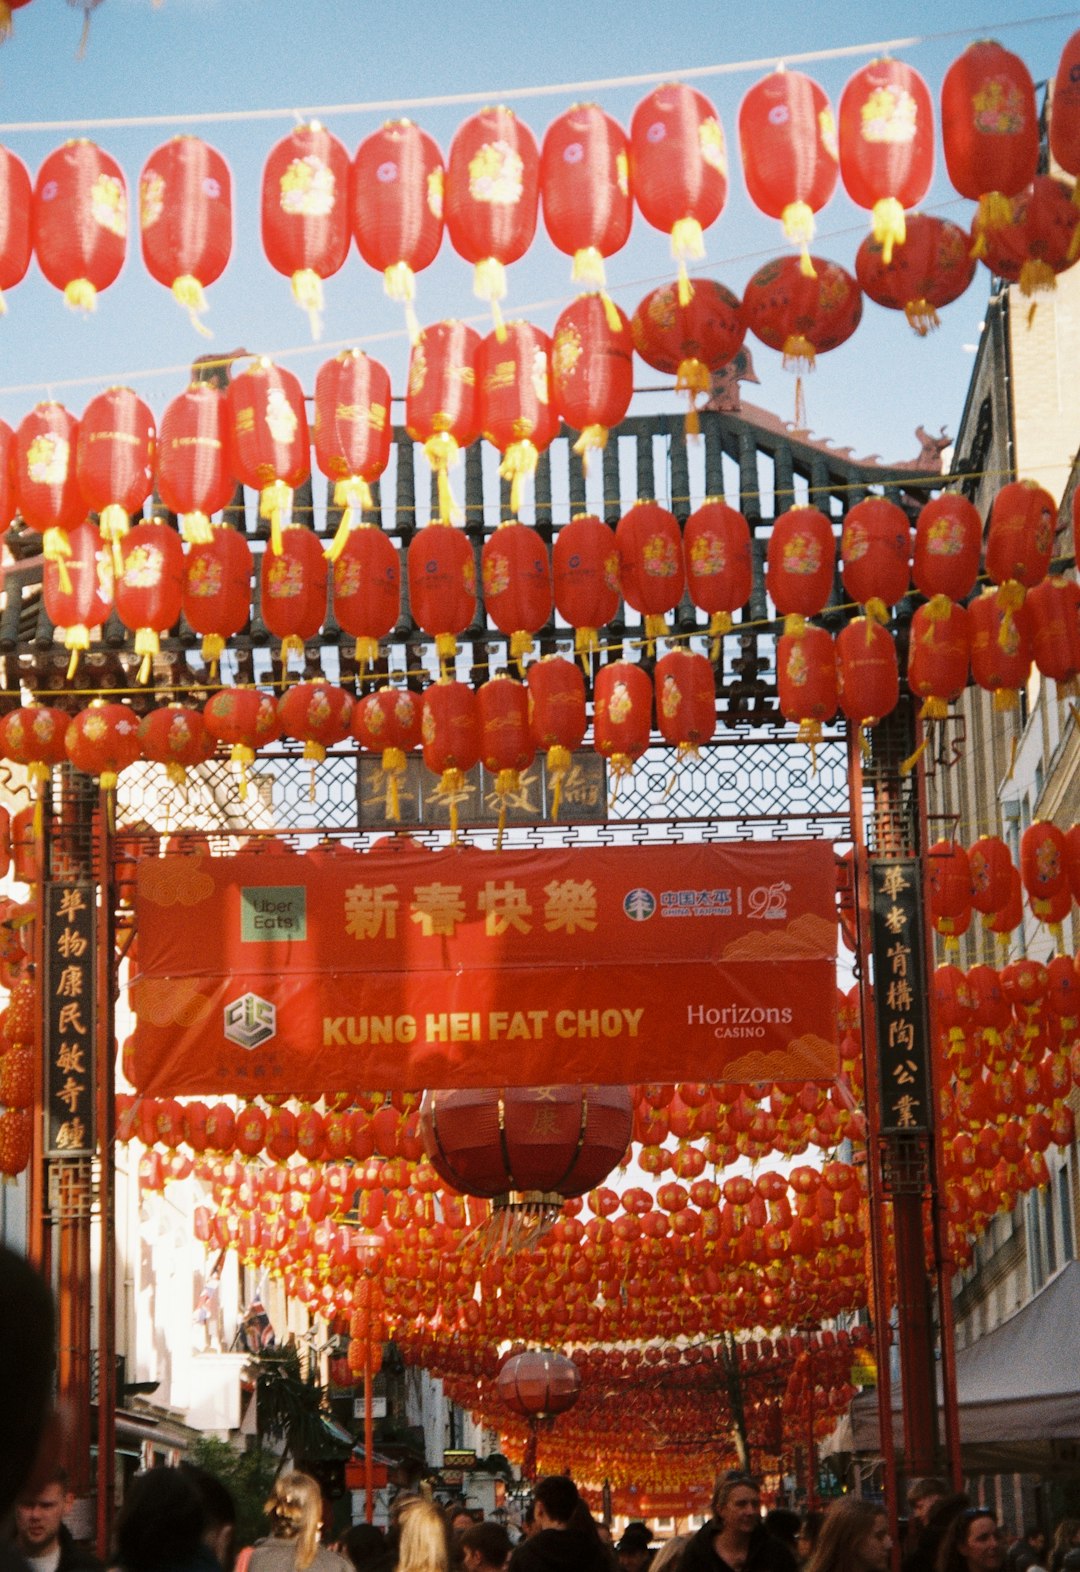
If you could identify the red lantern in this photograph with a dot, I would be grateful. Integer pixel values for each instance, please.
(801, 560)
(5, 28)
(556, 716)
(15, 202)
(506, 743)
(948, 540)
(991, 866)
(939, 654)
(185, 220)
(585, 186)
(114, 460)
(685, 701)
(585, 572)
(1038, 241)
(802, 315)
(34, 736)
(398, 182)
(1010, 915)
(932, 269)
(442, 585)
(1043, 860)
(149, 589)
(1054, 606)
(806, 680)
(679, 168)
(875, 555)
(450, 733)
(1000, 648)
(388, 722)
(352, 433)
(538, 1384)
(194, 475)
(989, 130)
(318, 714)
(886, 145)
(216, 597)
(1019, 540)
(176, 736)
(492, 196)
(650, 564)
(82, 603)
(1065, 109)
(592, 374)
(269, 437)
(441, 407)
(689, 342)
(305, 213)
(245, 720)
(787, 136)
(79, 221)
(366, 580)
(622, 715)
(293, 589)
(513, 372)
(516, 576)
(719, 562)
(103, 740)
(948, 875)
(43, 477)
(867, 678)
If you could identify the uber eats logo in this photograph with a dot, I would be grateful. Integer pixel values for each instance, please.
(250, 1021)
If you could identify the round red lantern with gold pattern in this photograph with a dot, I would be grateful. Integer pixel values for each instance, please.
(103, 740)
(585, 189)
(689, 341)
(16, 195)
(948, 881)
(1065, 108)
(650, 563)
(79, 598)
(875, 555)
(1043, 860)
(150, 586)
(216, 595)
(293, 589)
(441, 406)
(269, 442)
(305, 213)
(318, 714)
(802, 315)
(787, 137)
(1000, 647)
(1020, 537)
(506, 742)
(185, 219)
(592, 374)
(177, 737)
(516, 412)
(245, 720)
(868, 681)
(886, 139)
(352, 433)
(1038, 240)
(388, 722)
(47, 492)
(398, 184)
(989, 130)
(719, 563)
(806, 680)
(450, 734)
(622, 715)
(33, 736)
(585, 572)
(800, 563)
(948, 542)
(939, 655)
(557, 716)
(442, 585)
(366, 582)
(679, 169)
(194, 473)
(492, 197)
(79, 221)
(1054, 605)
(928, 272)
(114, 459)
(516, 576)
(685, 700)
(991, 866)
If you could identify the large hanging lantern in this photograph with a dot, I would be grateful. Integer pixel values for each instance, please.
(398, 182)
(1065, 109)
(557, 717)
(1038, 241)
(15, 206)
(269, 439)
(79, 221)
(1043, 860)
(800, 563)
(194, 473)
(33, 736)
(150, 586)
(787, 137)
(185, 220)
(650, 564)
(991, 867)
(388, 722)
(1000, 648)
(719, 563)
(1054, 605)
(293, 590)
(506, 743)
(450, 734)
(886, 145)
(939, 655)
(932, 269)
(47, 492)
(352, 433)
(305, 213)
(685, 701)
(176, 736)
(622, 715)
(806, 680)
(216, 597)
(875, 555)
(868, 682)
(989, 130)
(114, 460)
(948, 543)
(538, 1384)
(366, 583)
(585, 189)
(318, 714)
(516, 576)
(799, 314)
(592, 373)
(585, 573)
(245, 720)
(679, 169)
(441, 406)
(692, 341)
(948, 880)
(517, 416)
(103, 740)
(80, 598)
(492, 196)
(442, 585)
(1019, 540)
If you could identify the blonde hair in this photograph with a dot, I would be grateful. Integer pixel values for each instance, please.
(424, 1539)
(295, 1512)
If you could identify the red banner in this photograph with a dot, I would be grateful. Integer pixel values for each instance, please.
(401, 968)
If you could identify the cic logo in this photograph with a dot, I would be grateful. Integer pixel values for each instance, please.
(250, 1021)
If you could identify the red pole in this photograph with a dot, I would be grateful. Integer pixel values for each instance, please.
(369, 1417)
(106, 1101)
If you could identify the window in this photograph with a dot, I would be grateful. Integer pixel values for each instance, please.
(1064, 1189)
(1035, 1243)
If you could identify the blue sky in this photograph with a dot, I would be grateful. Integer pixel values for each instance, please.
(184, 58)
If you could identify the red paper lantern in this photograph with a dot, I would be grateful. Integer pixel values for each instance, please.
(679, 169)
(388, 722)
(801, 560)
(1010, 914)
(216, 597)
(398, 182)
(875, 555)
(1043, 860)
(47, 493)
(787, 136)
(939, 654)
(948, 541)
(989, 131)
(442, 585)
(802, 315)
(517, 416)
(34, 737)
(690, 341)
(1065, 109)
(305, 213)
(1000, 648)
(102, 740)
(177, 737)
(932, 269)
(585, 573)
(15, 205)
(991, 866)
(719, 562)
(948, 877)
(622, 715)
(269, 439)
(352, 433)
(516, 576)
(79, 598)
(506, 743)
(450, 733)
(1054, 606)
(150, 587)
(245, 720)
(538, 1384)
(650, 564)
(557, 716)
(194, 474)
(185, 220)
(366, 581)
(492, 197)
(293, 590)
(685, 700)
(585, 189)
(592, 374)
(318, 714)
(1020, 538)
(79, 221)
(886, 145)
(867, 678)
(114, 460)
(441, 406)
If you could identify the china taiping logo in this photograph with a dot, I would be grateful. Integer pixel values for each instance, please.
(250, 1021)
(639, 905)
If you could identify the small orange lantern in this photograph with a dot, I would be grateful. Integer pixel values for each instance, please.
(932, 269)
(185, 220)
(318, 714)
(867, 678)
(216, 598)
(79, 221)
(592, 374)
(194, 476)
(989, 130)
(366, 581)
(650, 564)
(245, 720)
(293, 590)
(622, 715)
(556, 716)
(441, 408)
(585, 189)
(719, 563)
(352, 433)
(516, 576)
(801, 561)
(82, 603)
(398, 183)
(388, 722)
(787, 136)
(939, 654)
(103, 740)
(679, 169)
(886, 145)
(176, 736)
(492, 197)
(442, 585)
(585, 570)
(305, 213)
(948, 541)
(875, 555)
(150, 586)
(450, 733)
(689, 342)
(269, 439)
(15, 203)
(517, 416)
(685, 701)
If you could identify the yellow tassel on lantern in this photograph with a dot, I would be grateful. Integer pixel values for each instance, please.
(196, 529)
(76, 639)
(399, 282)
(80, 295)
(655, 628)
(442, 453)
(451, 788)
(292, 644)
(365, 651)
(190, 294)
(213, 647)
(56, 548)
(592, 439)
(242, 756)
(521, 644)
(394, 765)
(352, 496)
(489, 284)
(147, 644)
(1035, 276)
(558, 763)
(719, 623)
(934, 708)
(692, 377)
(587, 644)
(795, 623)
(308, 293)
(889, 226)
(799, 353)
(922, 316)
(611, 315)
(588, 267)
(912, 759)
(876, 612)
(115, 524)
(519, 460)
(1010, 597)
(275, 504)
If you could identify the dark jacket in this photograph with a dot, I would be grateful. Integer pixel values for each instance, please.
(765, 1553)
(560, 1550)
(76, 1558)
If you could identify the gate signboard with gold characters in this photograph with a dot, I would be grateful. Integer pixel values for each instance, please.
(69, 1017)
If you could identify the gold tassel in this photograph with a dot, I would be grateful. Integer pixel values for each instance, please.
(80, 295)
(442, 453)
(611, 311)
(489, 283)
(588, 267)
(910, 762)
(592, 439)
(56, 548)
(292, 644)
(922, 316)
(308, 293)
(519, 460)
(147, 645)
(719, 623)
(196, 529)
(889, 226)
(352, 496)
(275, 504)
(189, 293)
(558, 763)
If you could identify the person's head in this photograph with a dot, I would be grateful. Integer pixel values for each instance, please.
(460, 1519)
(484, 1547)
(669, 1557)
(854, 1536)
(25, 1378)
(219, 1509)
(423, 1538)
(162, 1507)
(1066, 1536)
(921, 1498)
(364, 1544)
(633, 1549)
(783, 1524)
(806, 1536)
(1035, 1536)
(736, 1504)
(971, 1543)
(555, 1501)
(294, 1509)
(39, 1513)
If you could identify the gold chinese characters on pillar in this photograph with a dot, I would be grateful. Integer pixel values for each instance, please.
(69, 1019)
(900, 993)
